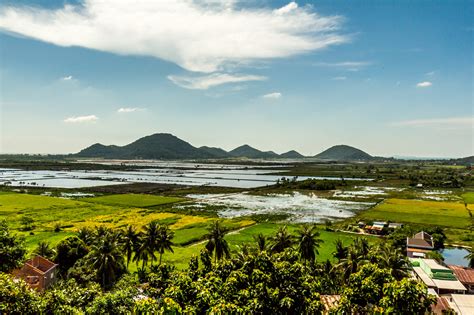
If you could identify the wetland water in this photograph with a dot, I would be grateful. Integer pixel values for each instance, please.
(298, 207)
(455, 256)
(159, 172)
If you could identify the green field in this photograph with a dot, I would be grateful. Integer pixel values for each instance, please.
(119, 211)
(71, 215)
(181, 255)
(452, 216)
(468, 197)
(445, 214)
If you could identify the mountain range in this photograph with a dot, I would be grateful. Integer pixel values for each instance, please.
(169, 147)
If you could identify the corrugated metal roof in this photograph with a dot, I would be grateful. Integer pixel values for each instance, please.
(433, 264)
(464, 274)
(462, 303)
(436, 283)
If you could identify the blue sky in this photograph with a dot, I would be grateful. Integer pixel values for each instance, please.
(389, 77)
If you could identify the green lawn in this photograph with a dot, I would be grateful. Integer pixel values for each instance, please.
(134, 200)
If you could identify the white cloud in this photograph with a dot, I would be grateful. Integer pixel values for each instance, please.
(81, 119)
(202, 36)
(287, 8)
(347, 65)
(438, 122)
(67, 78)
(211, 80)
(339, 78)
(273, 96)
(129, 110)
(424, 84)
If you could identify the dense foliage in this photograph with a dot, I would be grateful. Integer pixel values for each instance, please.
(12, 249)
(278, 275)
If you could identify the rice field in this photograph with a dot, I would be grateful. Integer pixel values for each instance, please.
(134, 200)
(439, 213)
(72, 215)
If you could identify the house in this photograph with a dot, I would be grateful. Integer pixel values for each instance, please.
(462, 304)
(441, 306)
(465, 275)
(394, 226)
(437, 277)
(419, 245)
(39, 273)
(376, 228)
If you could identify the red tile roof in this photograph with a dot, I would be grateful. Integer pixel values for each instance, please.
(441, 306)
(464, 274)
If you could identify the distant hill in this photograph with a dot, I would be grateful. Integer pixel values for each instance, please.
(343, 153)
(291, 155)
(469, 160)
(217, 152)
(157, 146)
(252, 153)
(168, 147)
(165, 146)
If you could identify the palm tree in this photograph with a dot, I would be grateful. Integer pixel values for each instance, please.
(102, 231)
(140, 251)
(216, 242)
(361, 246)
(328, 273)
(86, 235)
(44, 250)
(281, 240)
(150, 239)
(341, 250)
(351, 263)
(107, 259)
(130, 242)
(393, 259)
(164, 242)
(308, 242)
(261, 241)
(243, 253)
(470, 257)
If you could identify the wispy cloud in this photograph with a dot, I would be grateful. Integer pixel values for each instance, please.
(342, 78)
(81, 119)
(287, 8)
(219, 35)
(67, 78)
(438, 122)
(430, 74)
(346, 65)
(424, 84)
(272, 96)
(124, 110)
(207, 81)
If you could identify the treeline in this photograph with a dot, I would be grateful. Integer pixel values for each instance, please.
(309, 184)
(273, 275)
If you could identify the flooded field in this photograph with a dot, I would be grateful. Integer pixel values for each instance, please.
(299, 207)
(163, 173)
(365, 192)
